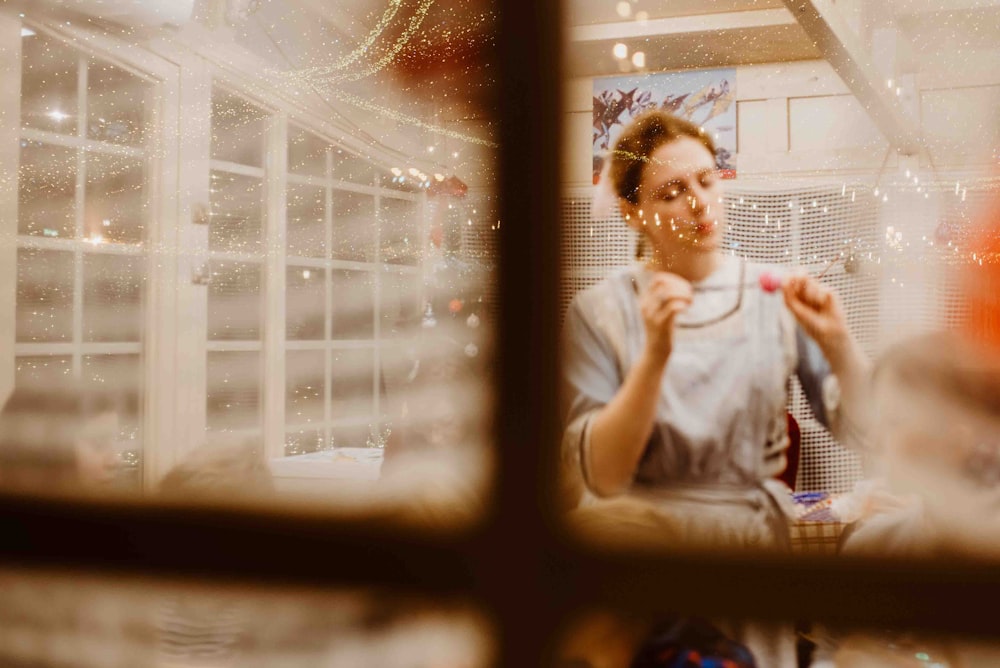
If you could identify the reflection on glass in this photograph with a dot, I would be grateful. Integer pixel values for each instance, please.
(233, 401)
(306, 152)
(115, 105)
(236, 222)
(361, 298)
(301, 442)
(48, 85)
(234, 301)
(306, 221)
(351, 168)
(353, 304)
(113, 453)
(238, 130)
(40, 372)
(44, 295)
(352, 374)
(305, 384)
(46, 190)
(399, 226)
(399, 304)
(114, 205)
(305, 303)
(353, 226)
(112, 297)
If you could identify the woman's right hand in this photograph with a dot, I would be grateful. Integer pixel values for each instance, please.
(666, 296)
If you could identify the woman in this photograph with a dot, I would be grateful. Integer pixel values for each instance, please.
(677, 368)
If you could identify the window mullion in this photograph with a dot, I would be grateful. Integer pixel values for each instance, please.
(327, 303)
(80, 202)
(275, 249)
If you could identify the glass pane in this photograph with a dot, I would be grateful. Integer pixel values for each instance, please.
(399, 304)
(46, 190)
(237, 212)
(234, 380)
(351, 383)
(399, 226)
(48, 85)
(115, 105)
(44, 295)
(301, 442)
(306, 221)
(115, 204)
(112, 456)
(908, 459)
(305, 383)
(306, 152)
(349, 167)
(112, 297)
(353, 226)
(353, 437)
(353, 304)
(234, 301)
(239, 130)
(39, 373)
(96, 621)
(403, 181)
(305, 303)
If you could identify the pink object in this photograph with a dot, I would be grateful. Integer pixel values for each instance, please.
(769, 282)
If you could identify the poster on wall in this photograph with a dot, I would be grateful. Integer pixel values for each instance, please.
(707, 98)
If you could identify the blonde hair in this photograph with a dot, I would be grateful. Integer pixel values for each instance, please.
(218, 469)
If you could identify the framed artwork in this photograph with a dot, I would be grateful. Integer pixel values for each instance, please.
(707, 98)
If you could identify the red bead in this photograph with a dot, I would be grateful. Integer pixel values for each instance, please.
(769, 282)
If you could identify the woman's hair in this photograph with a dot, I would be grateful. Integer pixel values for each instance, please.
(637, 143)
(220, 469)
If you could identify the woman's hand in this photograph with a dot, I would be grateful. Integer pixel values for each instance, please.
(817, 309)
(667, 295)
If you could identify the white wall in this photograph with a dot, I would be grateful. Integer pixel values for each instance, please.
(799, 118)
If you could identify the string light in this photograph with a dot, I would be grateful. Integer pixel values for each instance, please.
(403, 118)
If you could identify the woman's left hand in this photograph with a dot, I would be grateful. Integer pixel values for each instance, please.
(817, 309)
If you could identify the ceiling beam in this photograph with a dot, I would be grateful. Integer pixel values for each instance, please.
(757, 18)
(842, 48)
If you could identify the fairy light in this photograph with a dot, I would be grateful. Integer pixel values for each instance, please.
(365, 45)
(411, 29)
(403, 118)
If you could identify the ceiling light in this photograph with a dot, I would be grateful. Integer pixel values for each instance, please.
(624, 9)
(620, 51)
(27, 32)
(639, 59)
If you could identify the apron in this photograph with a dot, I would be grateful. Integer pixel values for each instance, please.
(723, 397)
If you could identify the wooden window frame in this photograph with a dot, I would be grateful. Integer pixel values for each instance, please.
(518, 563)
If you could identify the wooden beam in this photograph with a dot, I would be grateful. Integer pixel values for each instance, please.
(758, 18)
(842, 48)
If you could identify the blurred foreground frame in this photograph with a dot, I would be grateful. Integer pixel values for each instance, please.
(519, 565)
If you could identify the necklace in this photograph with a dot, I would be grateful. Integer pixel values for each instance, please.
(719, 318)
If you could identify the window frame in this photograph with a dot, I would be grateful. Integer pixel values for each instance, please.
(518, 560)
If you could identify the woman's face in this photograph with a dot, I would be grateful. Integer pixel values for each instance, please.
(97, 460)
(680, 199)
